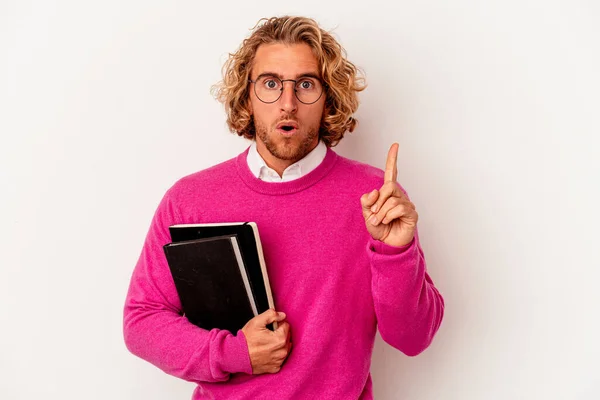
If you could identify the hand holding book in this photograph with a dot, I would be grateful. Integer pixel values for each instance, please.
(268, 349)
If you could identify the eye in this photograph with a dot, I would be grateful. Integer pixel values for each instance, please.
(306, 84)
(270, 83)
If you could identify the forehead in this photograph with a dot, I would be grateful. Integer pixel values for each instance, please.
(288, 61)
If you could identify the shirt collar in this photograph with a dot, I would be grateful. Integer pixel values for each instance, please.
(260, 170)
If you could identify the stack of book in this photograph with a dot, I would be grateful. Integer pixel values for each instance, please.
(219, 273)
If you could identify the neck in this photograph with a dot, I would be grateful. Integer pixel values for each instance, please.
(284, 188)
(278, 164)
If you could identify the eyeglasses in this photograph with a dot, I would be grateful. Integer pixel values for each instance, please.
(268, 89)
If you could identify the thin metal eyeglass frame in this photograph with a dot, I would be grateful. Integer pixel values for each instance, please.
(283, 87)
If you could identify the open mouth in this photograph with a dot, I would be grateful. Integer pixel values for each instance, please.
(287, 127)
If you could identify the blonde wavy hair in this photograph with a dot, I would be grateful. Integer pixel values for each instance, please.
(343, 80)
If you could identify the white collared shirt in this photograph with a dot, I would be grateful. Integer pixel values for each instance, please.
(259, 168)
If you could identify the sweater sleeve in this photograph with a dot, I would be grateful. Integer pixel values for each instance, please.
(154, 328)
(408, 307)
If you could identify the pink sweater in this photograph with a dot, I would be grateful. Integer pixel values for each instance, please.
(335, 283)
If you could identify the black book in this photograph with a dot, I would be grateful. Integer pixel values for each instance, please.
(220, 273)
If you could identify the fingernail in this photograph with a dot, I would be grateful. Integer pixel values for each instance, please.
(374, 208)
(373, 220)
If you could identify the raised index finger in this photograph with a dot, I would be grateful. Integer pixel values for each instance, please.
(391, 170)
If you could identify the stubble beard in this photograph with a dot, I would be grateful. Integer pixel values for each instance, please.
(284, 148)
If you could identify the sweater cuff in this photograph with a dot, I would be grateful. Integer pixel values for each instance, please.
(382, 248)
(235, 354)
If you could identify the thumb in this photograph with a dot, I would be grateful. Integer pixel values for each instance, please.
(269, 317)
(367, 200)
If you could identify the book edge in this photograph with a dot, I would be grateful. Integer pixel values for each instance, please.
(207, 224)
(243, 273)
(263, 268)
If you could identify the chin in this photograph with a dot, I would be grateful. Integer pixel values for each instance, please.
(288, 151)
(288, 148)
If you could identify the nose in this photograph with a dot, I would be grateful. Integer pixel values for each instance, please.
(288, 100)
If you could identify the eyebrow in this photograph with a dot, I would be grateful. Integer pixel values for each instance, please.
(304, 75)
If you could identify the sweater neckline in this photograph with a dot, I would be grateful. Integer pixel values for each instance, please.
(282, 188)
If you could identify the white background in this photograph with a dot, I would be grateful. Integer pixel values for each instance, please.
(495, 104)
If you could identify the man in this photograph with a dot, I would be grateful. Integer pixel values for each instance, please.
(339, 237)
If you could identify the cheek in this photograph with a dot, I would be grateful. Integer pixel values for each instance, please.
(252, 105)
(259, 111)
(257, 108)
(315, 114)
